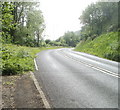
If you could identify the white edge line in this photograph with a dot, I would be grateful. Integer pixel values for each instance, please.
(46, 104)
(36, 67)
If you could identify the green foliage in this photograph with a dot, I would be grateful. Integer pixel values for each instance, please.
(53, 43)
(22, 23)
(99, 18)
(69, 39)
(17, 59)
(7, 21)
(47, 41)
(105, 46)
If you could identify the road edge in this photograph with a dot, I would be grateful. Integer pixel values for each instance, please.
(44, 99)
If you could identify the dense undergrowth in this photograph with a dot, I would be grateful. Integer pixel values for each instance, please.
(18, 59)
(105, 46)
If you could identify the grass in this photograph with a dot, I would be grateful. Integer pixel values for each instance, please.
(19, 59)
(105, 46)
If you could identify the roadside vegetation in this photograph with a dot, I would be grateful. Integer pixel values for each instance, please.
(19, 59)
(100, 31)
(99, 34)
(105, 46)
(23, 25)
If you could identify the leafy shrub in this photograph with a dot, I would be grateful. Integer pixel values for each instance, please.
(17, 59)
(22, 53)
(113, 56)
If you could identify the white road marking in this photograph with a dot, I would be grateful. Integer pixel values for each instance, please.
(36, 67)
(46, 104)
(94, 67)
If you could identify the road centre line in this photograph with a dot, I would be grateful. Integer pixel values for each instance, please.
(94, 67)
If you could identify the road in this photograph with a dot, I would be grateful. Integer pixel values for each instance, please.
(77, 80)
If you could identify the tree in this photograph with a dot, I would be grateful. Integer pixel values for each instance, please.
(7, 21)
(99, 18)
(69, 39)
(47, 41)
(35, 24)
(22, 22)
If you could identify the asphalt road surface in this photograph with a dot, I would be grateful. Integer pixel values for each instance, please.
(77, 80)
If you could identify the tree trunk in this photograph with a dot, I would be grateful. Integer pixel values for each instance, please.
(38, 38)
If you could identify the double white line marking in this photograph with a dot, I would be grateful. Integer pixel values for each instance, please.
(94, 67)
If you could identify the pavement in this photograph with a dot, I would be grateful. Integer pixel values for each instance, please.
(20, 92)
(77, 80)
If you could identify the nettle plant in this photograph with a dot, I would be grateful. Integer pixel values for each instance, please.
(16, 60)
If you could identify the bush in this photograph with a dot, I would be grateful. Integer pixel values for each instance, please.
(113, 56)
(17, 59)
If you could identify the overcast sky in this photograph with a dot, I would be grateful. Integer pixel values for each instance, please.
(62, 15)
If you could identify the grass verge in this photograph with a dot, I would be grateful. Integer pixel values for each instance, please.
(19, 59)
(105, 46)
